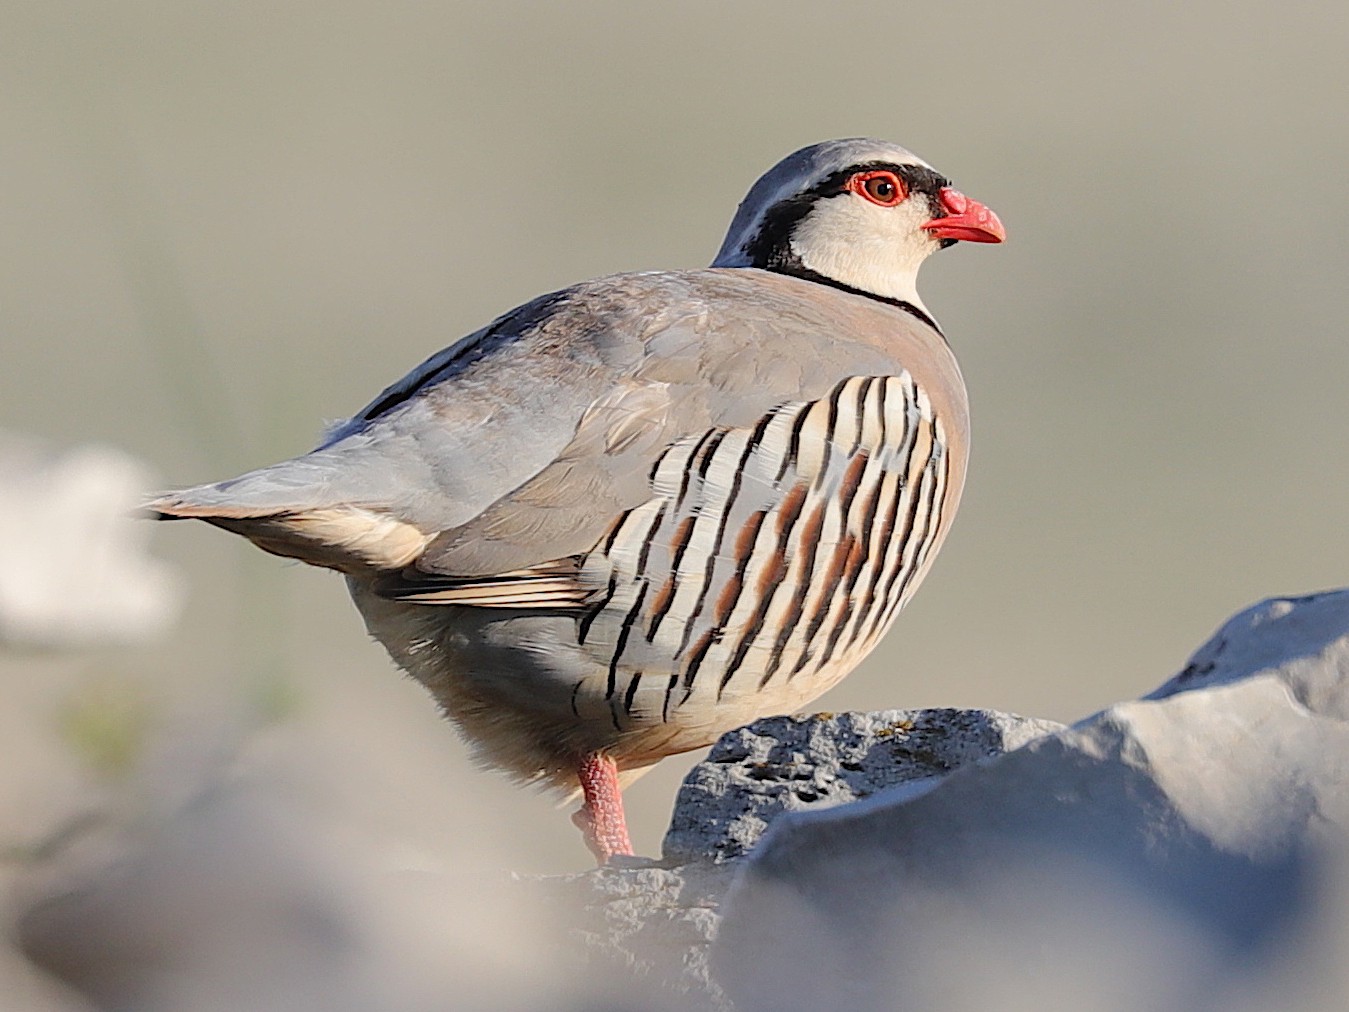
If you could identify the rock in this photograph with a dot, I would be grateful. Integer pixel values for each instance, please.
(275, 886)
(74, 571)
(647, 926)
(655, 924)
(1183, 851)
(1173, 852)
(794, 764)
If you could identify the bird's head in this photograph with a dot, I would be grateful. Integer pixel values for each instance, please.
(858, 214)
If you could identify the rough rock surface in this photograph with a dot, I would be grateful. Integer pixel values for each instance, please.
(656, 923)
(794, 764)
(1186, 850)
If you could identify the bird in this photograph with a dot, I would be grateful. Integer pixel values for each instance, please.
(633, 514)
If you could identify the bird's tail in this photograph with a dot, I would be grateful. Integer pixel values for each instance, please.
(292, 509)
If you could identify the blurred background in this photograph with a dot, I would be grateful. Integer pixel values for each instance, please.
(222, 225)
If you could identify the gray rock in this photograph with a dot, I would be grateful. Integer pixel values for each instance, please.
(654, 925)
(793, 764)
(287, 880)
(1183, 851)
(260, 893)
(648, 927)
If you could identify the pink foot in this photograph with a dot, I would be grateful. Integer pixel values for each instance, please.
(601, 819)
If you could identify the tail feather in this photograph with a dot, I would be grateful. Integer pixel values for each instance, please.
(344, 536)
(303, 483)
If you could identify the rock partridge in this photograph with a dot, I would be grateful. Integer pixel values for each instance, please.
(636, 513)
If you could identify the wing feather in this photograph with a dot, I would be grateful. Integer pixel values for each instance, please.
(553, 585)
(527, 442)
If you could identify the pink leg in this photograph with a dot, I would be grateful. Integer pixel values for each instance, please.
(601, 819)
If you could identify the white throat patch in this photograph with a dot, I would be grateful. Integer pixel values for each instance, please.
(874, 249)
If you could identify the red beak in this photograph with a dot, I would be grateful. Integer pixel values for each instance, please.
(965, 219)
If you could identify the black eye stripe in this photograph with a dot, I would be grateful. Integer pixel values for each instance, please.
(918, 178)
(770, 246)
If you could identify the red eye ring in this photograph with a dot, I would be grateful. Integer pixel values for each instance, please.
(881, 187)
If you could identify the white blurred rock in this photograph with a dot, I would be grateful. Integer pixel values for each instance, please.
(74, 571)
(1176, 852)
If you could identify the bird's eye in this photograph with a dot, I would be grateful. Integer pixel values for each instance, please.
(881, 187)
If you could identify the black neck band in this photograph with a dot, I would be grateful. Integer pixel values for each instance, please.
(803, 272)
